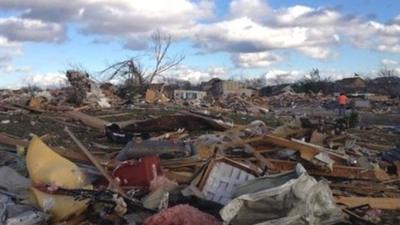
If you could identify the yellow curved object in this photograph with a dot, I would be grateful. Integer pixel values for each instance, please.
(45, 167)
(60, 206)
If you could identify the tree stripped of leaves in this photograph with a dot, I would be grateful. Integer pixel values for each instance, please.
(131, 70)
(388, 80)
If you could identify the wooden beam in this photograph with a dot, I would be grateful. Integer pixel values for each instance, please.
(96, 163)
(307, 151)
(339, 171)
(378, 203)
(90, 121)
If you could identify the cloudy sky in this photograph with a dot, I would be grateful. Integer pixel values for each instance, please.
(229, 39)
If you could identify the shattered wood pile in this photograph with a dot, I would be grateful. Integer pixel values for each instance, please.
(291, 99)
(141, 164)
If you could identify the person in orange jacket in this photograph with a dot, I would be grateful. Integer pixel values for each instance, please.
(342, 100)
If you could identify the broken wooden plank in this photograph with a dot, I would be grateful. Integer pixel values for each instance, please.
(264, 162)
(184, 162)
(95, 162)
(115, 115)
(377, 203)
(378, 147)
(367, 189)
(6, 139)
(339, 171)
(90, 121)
(31, 109)
(180, 177)
(307, 151)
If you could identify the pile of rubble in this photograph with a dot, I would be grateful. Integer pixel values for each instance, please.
(292, 99)
(189, 166)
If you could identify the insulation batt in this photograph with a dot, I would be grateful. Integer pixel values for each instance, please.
(182, 215)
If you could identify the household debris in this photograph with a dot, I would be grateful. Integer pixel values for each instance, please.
(292, 198)
(225, 158)
(86, 90)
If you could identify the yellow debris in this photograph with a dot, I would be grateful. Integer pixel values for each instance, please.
(46, 167)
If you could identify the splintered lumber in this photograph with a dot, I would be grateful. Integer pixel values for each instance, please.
(378, 147)
(32, 109)
(265, 163)
(377, 203)
(90, 121)
(11, 141)
(178, 163)
(339, 171)
(307, 151)
(366, 188)
(95, 162)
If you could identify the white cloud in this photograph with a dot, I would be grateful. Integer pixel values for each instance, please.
(245, 35)
(250, 30)
(127, 17)
(257, 59)
(281, 76)
(255, 9)
(277, 76)
(197, 75)
(389, 62)
(8, 50)
(316, 52)
(375, 35)
(305, 16)
(7, 68)
(46, 80)
(126, 20)
(20, 30)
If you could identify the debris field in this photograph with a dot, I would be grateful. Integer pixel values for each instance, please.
(85, 155)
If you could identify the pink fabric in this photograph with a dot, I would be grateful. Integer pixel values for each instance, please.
(181, 215)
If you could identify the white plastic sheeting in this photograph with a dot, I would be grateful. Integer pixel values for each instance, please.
(296, 200)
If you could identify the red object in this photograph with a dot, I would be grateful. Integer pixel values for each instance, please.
(182, 215)
(342, 99)
(138, 173)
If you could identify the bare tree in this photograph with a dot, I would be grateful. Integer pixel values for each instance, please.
(387, 80)
(386, 72)
(127, 70)
(279, 79)
(313, 76)
(131, 70)
(161, 43)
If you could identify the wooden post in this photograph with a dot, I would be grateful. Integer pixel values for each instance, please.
(95, 162)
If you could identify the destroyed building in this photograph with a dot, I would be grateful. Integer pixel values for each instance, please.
(385, 86)
(351, 84)
(189, 95)
(85, 90)
(236, 159)
(275, 90)
(217, 87)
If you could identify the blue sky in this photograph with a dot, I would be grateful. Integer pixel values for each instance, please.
(39, 40)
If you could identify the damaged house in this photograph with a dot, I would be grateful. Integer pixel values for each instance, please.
(217, 87)
(351, 84)
(189, 95)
